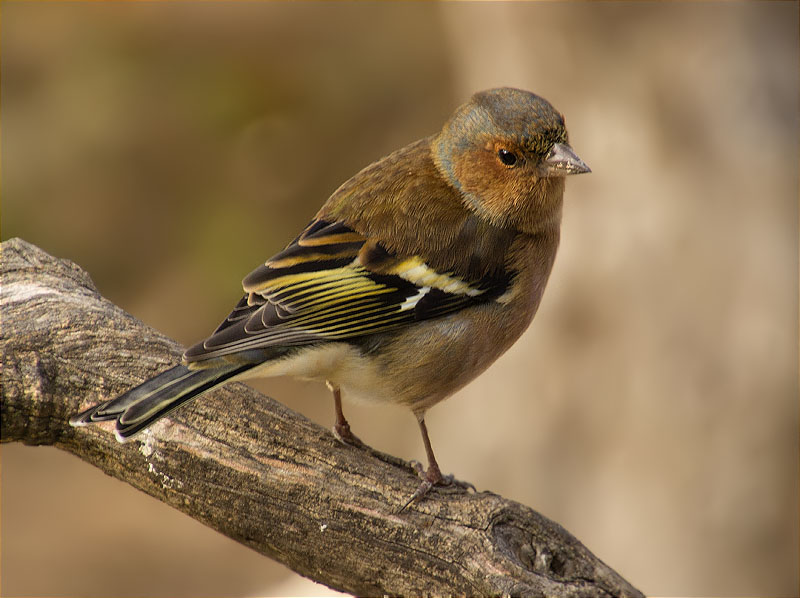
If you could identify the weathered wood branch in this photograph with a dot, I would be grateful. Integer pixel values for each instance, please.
(254, 470)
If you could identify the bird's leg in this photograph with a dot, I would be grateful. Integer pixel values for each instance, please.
(433, 475)
(341, 429)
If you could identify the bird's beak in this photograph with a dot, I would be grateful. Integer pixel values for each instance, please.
(562, 161)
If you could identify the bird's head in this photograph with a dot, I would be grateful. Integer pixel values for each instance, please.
(507, 151)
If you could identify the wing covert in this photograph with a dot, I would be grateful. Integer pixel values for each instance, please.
(331, 283)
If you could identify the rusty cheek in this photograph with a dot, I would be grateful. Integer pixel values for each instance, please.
(497, 187)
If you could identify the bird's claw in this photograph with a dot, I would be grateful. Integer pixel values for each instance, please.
(431, 479)
(444, 480)
(450, 480)
(421, 491)
(345, 436)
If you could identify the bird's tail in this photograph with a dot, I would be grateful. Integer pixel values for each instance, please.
(152, 400)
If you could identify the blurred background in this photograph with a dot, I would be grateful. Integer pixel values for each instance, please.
(651, 409)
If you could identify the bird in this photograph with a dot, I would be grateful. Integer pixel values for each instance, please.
(413, 277)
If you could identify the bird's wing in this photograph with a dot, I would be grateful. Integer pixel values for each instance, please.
(332, 283)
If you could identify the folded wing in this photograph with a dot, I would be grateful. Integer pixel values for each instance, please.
(331, 283)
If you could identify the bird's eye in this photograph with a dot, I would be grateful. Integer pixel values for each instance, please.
(507, 157)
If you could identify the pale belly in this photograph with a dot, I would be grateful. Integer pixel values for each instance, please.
(416, 366)
(361, 379)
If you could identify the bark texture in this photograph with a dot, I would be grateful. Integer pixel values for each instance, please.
(258, 472)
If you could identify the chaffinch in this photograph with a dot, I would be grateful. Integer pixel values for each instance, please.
(414, 276)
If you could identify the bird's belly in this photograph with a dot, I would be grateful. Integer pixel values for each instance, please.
(342, 364)
(446, 353)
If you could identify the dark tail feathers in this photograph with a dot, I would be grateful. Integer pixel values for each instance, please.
(152, 400)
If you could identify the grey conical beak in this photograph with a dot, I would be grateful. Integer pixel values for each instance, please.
(562, 161)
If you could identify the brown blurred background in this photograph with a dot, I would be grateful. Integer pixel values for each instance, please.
(652, 407)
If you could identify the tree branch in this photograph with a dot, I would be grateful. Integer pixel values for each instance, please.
(254, 470)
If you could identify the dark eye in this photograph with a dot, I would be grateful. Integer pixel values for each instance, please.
(506, 157)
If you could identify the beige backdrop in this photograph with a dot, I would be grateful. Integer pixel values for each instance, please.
(651, 408)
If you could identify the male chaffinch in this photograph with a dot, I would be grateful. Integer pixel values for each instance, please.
(414, 276)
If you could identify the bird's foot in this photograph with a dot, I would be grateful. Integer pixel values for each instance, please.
(450, 480)
(444, 480)
(345, 436)
(430, 478)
